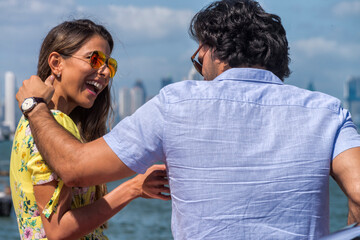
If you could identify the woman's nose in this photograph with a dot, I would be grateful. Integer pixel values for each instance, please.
(104, 71)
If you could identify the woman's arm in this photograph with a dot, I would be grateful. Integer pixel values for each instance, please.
(75, 223)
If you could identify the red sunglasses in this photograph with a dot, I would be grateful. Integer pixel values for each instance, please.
(97, 59)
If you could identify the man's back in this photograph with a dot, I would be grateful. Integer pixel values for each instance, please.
(247, 155)
(250, 158)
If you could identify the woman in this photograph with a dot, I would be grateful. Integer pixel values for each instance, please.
(77, 54)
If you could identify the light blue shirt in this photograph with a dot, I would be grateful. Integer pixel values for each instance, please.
(248, 157)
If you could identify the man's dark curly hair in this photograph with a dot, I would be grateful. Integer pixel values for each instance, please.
(243, 34)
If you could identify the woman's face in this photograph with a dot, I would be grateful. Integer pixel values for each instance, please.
(80, 84)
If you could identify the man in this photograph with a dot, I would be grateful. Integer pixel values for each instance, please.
(248, 157)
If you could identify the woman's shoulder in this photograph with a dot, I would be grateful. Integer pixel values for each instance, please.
(61, 117)
(22, 129)
(65, 121)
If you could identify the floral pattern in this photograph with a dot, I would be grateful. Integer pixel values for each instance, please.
(27, 168)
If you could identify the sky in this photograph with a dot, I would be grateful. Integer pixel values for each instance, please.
(152, 41)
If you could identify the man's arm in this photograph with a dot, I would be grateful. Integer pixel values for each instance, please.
(346, 172)
(78, 164)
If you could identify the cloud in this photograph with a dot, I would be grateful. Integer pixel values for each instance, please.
(31, 20)
(153, 22)
(33, 7)
(132, 23)
(37, 15)
(347, 8)
(320, 46)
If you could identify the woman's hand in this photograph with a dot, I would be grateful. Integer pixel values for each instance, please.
(152, 183)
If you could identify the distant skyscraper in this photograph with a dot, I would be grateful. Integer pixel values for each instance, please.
(140, 84)
(1, 111)
(9, 114)
(352, 98)
(311, 86)
(194, 75)
(137, 95)
(1, 120)
(166, 81)
(124, 103)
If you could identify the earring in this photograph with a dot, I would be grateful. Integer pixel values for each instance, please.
(58, 75)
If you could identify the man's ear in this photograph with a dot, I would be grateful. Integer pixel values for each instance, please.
(223, 66)
(55, 62)
(214, 56)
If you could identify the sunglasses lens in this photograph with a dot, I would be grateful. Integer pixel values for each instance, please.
(112, 64)
(97, 59)
(198, 67)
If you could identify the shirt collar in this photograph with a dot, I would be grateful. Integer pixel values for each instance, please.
(250, 75)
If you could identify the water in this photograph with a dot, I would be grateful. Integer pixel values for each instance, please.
(150, 219)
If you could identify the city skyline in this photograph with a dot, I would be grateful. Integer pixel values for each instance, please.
(8, 113)
(151, 39)
(126, 102)
(352, 98)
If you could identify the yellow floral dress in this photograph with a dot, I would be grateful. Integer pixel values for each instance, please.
(27, 168)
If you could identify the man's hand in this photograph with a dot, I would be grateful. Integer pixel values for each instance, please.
(35, 87)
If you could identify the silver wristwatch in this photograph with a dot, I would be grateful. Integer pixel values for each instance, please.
(29, 104)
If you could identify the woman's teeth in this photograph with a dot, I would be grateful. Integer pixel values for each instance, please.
(97, 85)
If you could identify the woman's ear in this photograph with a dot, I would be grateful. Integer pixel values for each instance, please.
(55, 61)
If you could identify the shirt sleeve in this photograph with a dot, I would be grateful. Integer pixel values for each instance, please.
(347, 136)
(40, 171)
(138, 140)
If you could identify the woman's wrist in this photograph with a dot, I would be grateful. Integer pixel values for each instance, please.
(133, 187)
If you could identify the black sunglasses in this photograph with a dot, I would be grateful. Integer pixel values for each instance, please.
(197, 65)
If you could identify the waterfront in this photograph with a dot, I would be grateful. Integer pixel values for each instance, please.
(150, 219)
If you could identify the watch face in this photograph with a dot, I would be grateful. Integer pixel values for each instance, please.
(27, 104)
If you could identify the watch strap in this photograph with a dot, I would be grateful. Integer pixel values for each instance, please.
(39, 100)
(36, 100)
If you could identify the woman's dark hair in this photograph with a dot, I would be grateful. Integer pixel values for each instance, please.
(243, 34)
(65, 39)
